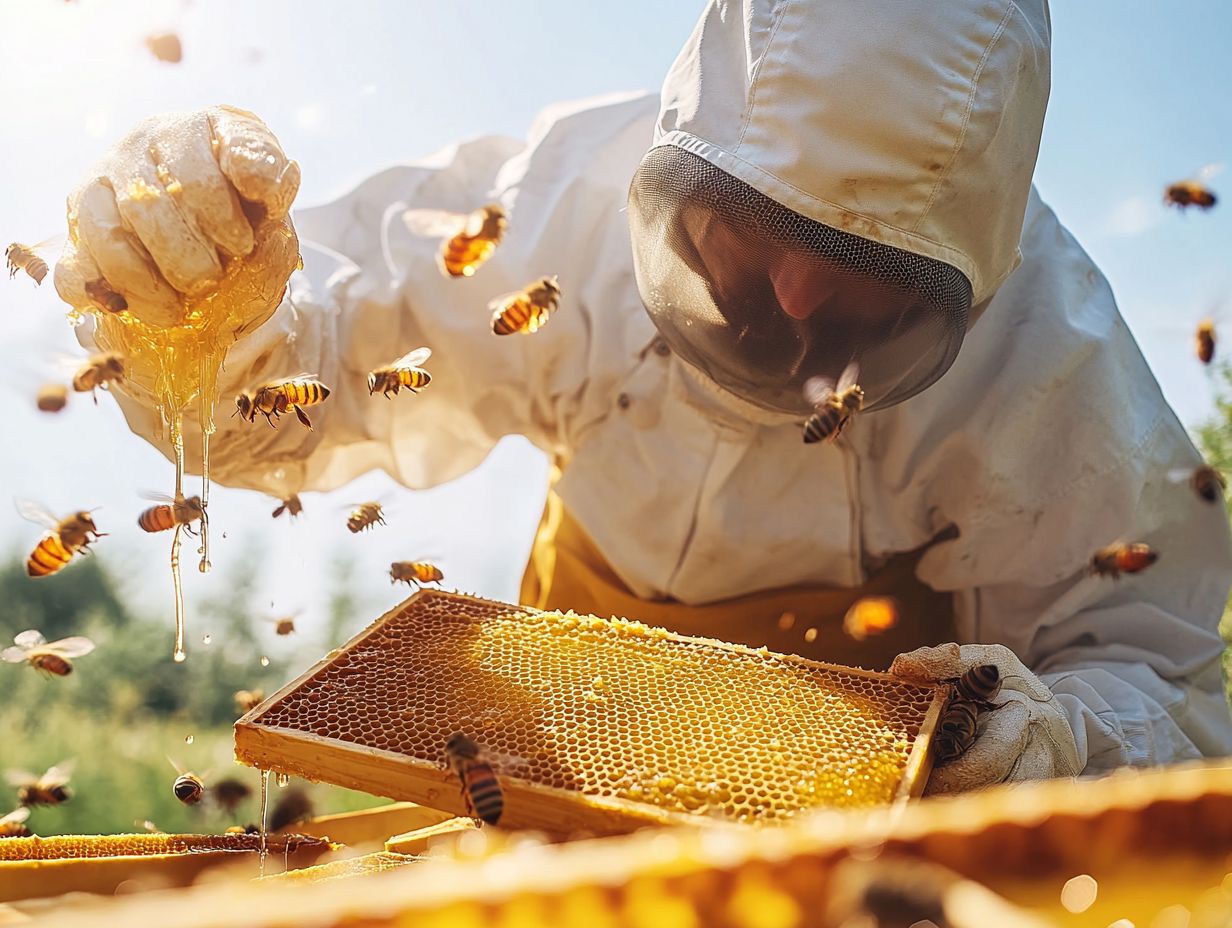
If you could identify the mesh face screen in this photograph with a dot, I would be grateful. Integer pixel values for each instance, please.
(595, 707)
(762, 299)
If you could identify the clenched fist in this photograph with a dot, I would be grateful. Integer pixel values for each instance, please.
(155, 227)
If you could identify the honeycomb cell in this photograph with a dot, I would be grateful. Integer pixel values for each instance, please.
(604, 708)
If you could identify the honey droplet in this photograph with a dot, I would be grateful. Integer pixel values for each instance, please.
(264, 661)
(188, 739)
(282, 779)
(810, 636)
(206, 639)
(180, 656)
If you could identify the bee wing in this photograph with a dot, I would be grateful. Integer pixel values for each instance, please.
(434, 223)
(499, 303)
(58, 775)
(44, 245)
(14, 655)
(36, 513)
(178, 769)
(16, 817)
(413, 358)
(29, 639)
(849, 377)
(19, 777)
(1180, 474)
(1209, 171)
(504, 763)
(817, 390)
(75, 646)
(156, 496)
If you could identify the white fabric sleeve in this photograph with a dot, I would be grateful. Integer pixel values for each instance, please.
(371, 291)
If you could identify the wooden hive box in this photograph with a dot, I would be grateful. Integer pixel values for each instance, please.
(594, 725)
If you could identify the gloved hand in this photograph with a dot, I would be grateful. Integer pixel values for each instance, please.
(1028, 738)
(162, 211)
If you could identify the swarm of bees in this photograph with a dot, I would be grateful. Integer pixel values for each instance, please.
(871, 615)
(833, 405)
(277, 397)
(50, 657)
(414, 573)
(98, 371)
(13, 825)
(291, 506)
(24, 258)
(404, 372)
(65, 538)
(170, 512)
(364, 516)
(470, 238)
(1120, 558)
(49, 789)
(481, 789)
(973, 693)
(526, 310)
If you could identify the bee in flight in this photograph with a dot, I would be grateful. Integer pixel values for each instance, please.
(1193, 191)
(871, 615)
(469, 238)
(98, 371)
(275, 398)
(1204, 341)
(25, 258)
(50, 789)
(291, 506)
(956, 730)
(294, 806)
(526, 310)
(363, 516)
(65, 538)
(51, 397)
(414, 573)
(833, 405)
(54, 657)
(13, 825)
(480, 788)
(247, 700)
(284, 625)
(230, 792)
(1204, 480)
(188, 787)
(1119, 558)
(171, 511)
(979, 685)
(404, 372)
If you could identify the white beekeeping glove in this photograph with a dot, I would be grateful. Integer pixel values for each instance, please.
(1028, 738)
(164, 210)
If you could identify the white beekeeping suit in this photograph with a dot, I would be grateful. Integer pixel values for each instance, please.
(910, 128)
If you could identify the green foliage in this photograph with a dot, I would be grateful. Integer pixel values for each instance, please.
(125, 712)
(1215, 440)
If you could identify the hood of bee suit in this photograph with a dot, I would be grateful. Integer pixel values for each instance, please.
(838, 181)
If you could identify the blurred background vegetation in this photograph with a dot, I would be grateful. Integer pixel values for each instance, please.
(1214, 439)
(127, 707)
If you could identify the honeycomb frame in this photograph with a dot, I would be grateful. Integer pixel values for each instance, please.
(395, 745)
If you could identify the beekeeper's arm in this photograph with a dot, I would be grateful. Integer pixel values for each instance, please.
(370, 290)
(1133, 663)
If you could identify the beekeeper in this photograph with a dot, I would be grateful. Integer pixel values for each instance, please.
(825, 182)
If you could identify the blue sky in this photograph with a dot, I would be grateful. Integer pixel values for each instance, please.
(1140, 97)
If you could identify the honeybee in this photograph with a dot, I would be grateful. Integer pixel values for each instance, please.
(188, 787)
(834, 405)
(979, 685)
(230, 792)
(172, 511)
(165, 46)
(291, 505)
(1193, 191)
(294, 806)
(414, 573)
(956, 730)
(404, 372)
(276, 397)
(24, 258)
(1204, 341)
(65, 538)
(480, 788)
(50, 789)
(51, 397)
(53, 657)
(104, 297)
(1120, 558)
(1204, 480)
(247, 700)
(284, 625)
(871, 615)
(13, 825)
(99, 370)
(365, 515)
(526, 310)
(471, 237)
